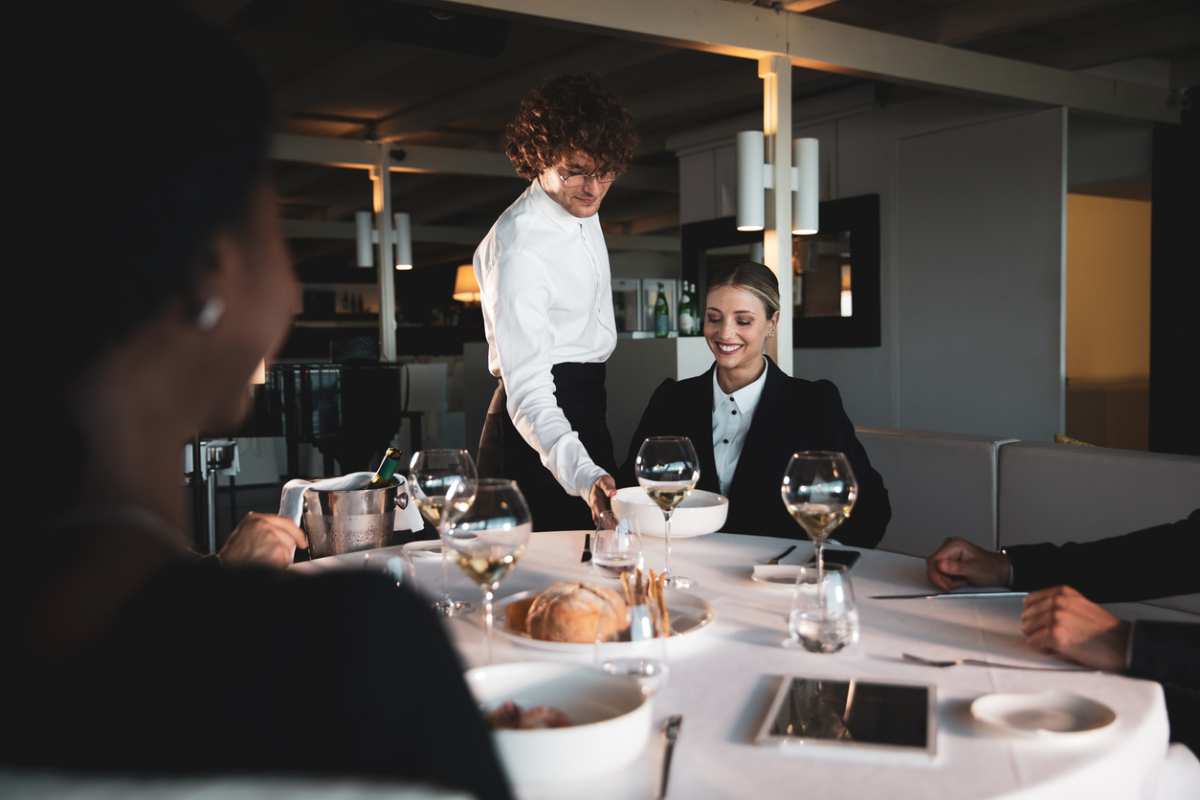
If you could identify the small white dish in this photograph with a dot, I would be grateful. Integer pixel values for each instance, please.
(700, 513)
(1042, 714)
(776, 576)
(611, 719)
(431, 548)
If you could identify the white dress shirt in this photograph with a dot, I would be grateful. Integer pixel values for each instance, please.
(546, 293)
(731, 422)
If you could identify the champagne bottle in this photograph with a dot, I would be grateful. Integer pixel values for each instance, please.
(662, 314)
(697, 325)
(387, 469)
(684, 316)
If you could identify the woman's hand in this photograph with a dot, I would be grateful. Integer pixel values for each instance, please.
(1064, 622)
(263, 539)
(600, 497)
(958, 562)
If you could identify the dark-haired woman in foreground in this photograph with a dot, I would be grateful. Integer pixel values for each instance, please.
(745, 417)
(130, 654)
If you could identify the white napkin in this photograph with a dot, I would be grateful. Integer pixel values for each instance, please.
(291, 501)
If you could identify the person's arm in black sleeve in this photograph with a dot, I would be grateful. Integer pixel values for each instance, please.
(1153, 562)
(650, 425)
(873, 510)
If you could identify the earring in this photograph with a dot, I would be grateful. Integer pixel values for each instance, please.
(210, 313)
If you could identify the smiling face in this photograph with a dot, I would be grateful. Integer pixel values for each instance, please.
(736, 326)
(562, 182)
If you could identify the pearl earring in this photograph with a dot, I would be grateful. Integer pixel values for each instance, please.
(210, 314)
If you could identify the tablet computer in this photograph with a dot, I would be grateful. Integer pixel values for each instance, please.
(853, 715)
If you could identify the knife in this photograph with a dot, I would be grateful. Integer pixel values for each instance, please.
(674, 723)
(587, 549)
(775, 561)
(945, 595)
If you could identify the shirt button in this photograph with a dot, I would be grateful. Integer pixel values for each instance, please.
(734, 411)
(726, 441)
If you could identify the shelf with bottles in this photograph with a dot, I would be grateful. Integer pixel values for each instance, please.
(648, 307)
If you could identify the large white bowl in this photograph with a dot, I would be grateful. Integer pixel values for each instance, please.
(700, 513)
(611, 716)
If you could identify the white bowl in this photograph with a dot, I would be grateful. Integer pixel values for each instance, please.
(701, 513)
(610, 715)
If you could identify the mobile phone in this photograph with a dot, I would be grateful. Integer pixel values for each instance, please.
(843, 558)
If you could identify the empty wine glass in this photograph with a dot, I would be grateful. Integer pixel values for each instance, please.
(638, 647)
(667, 469)
(487, 537)
(819, 491)
(432, 474)
(824, 616)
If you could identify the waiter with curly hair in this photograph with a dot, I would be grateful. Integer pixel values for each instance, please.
(546, 292)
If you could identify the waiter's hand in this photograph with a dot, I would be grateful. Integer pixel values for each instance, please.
(263, 539)
(1064, 622)
(600, 497)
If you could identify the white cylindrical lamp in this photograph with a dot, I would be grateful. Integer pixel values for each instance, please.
(751, 191)
(806, 172)
(403, 225)
(364, 234)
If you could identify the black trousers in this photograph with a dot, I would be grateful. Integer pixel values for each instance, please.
(580, 392)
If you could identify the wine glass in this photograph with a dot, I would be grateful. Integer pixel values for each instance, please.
(616, 547)
(488, 536)
(667, 469)
(824, 616)
(432, 474)
(638, 648)
(819, 491)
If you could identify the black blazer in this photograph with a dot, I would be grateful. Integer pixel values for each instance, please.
(792, 414)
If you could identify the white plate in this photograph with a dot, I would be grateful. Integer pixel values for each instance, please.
(700, 514)
(431, 548)
(776, 576)
(689, 613)
(1049, 713)
(612, 719)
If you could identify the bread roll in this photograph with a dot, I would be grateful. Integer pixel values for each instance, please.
(576, 612)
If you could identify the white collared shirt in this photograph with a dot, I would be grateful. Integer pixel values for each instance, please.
(546, 293)
(731, 418)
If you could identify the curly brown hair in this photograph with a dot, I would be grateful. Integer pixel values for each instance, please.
(569, 113)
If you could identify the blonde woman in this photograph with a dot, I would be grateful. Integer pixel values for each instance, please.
(746, 417)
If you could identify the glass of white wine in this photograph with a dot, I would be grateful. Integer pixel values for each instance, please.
(432, 474)
(667, 469)
(819, 491)
(488, 538)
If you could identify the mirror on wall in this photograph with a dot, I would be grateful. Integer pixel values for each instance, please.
(835, 273)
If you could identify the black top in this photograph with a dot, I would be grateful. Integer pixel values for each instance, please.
(212, 670)
(1154, 562)
(792, 414)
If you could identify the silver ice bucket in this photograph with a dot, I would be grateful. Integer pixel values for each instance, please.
(347, 520)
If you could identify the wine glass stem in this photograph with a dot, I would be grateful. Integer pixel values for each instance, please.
(488, 596)
(445, 562)
(667, 517)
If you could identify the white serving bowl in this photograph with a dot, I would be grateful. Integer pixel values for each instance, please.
(700, 513)
(610, 715)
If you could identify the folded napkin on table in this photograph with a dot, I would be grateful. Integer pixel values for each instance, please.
(291, 502)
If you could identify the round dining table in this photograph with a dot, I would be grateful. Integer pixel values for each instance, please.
(723, 677)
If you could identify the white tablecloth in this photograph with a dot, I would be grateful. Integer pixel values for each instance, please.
(722, 680)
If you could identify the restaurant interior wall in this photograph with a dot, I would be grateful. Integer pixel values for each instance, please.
(1108, 320)
(868, 145)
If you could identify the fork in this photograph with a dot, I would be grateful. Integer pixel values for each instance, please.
(979, 662)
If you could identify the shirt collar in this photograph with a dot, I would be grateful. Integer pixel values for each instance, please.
(552, 210)
(745, 397)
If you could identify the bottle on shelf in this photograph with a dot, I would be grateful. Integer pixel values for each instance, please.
(662, 314)
(684, 316)
(387, 469)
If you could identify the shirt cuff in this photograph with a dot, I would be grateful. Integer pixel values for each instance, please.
(587, 477)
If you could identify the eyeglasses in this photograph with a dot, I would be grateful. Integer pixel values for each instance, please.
(575, 180)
